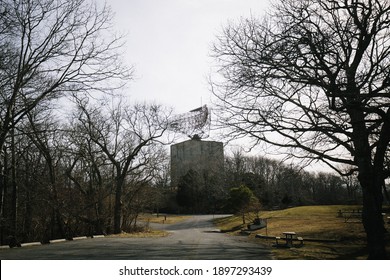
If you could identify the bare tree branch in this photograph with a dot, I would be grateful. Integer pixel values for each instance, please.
(313, 79)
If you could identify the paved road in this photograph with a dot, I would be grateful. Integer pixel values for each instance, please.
(195, 238)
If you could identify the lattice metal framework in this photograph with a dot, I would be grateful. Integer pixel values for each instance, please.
(195, 123)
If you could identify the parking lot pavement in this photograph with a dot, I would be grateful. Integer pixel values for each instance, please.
(195, 238)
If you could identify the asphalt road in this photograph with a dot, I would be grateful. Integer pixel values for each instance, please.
(195, 238)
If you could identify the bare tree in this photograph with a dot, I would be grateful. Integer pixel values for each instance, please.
(50, 48)
(125, 135)
(312, 78)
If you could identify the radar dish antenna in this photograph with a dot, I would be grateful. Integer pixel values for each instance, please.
(195, 123)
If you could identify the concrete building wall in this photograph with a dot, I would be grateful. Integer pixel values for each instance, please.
(205, 157)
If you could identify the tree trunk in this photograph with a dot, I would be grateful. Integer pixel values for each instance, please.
(371, 180)
(2, 208)
(372, 215)
(14, 190)
(118, 205)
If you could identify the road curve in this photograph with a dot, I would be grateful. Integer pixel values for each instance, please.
(195, 238)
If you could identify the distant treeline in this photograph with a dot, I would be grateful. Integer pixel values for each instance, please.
(274, 183)
(278, 184)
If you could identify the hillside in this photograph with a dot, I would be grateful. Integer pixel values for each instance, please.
(340, 239)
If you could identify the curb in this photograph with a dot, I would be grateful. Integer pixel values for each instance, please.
(30, 244)
(57, 240)
(306, 238)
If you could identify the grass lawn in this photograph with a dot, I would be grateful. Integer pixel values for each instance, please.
(309, 222)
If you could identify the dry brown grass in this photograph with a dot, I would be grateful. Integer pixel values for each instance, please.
(162, 218)
(141, 234)
(310, 222)
(144, 231)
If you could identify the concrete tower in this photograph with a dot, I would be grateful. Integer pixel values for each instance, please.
(196, 165)
(204, 157)
(197, 175)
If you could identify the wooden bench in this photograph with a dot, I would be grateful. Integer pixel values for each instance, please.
(300, 239)
(354, 214)
(277, 240)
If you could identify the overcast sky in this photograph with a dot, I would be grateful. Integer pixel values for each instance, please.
(169, 44)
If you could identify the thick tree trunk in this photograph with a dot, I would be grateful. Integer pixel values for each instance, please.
(372, 216)
(371, 180)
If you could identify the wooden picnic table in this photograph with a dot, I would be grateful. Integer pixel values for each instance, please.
(289, 237)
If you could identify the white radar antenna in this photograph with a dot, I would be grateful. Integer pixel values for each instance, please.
(195, 123)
